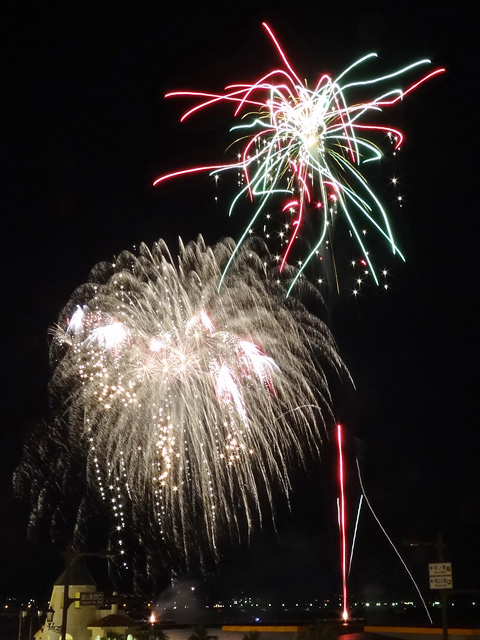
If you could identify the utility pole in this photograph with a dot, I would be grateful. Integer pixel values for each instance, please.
(440, 546)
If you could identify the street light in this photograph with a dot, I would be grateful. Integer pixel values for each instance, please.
(152, 626)
(24, 614)
(39, 614)
(21, 617)
(49, 621)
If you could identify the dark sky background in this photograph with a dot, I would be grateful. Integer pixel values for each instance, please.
(87, 129)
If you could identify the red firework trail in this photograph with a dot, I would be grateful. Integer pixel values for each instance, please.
(342, 521)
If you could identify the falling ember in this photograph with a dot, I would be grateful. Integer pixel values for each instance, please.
(342, 523)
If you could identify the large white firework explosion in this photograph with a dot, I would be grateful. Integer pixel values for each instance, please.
(189, 403)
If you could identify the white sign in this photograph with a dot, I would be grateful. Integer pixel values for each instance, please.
(440, 574)
(441, 582)
(440, 569)
(91, 599)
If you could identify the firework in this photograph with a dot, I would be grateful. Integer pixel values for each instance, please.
(301, 149)
(342, 521)
(189, 405)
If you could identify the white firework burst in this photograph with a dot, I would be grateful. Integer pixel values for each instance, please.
(189, 403)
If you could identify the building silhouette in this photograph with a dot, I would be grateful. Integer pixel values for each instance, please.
(87, 619)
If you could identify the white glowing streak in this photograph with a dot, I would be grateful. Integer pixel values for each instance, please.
(109, 337)
(391, 543)
(206, 322)
(257, 360)
(355, 533)
(227, 390)
(76, 321)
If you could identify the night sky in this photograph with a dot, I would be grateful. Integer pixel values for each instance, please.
(87, 130)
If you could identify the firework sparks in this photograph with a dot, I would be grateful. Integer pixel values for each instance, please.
(188, 403)
(305, 146)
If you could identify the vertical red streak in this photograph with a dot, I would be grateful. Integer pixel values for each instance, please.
(343, 541)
